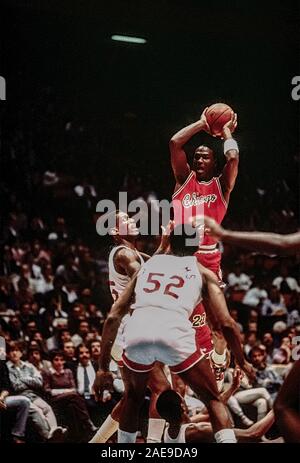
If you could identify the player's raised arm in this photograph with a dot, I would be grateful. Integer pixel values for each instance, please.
(179, 162)
(231, 152)
(258, 241)
(104, 379)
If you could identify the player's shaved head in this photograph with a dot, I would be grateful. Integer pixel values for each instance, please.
(184, 240)
(169, 406)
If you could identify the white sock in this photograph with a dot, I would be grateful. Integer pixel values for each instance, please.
(125, 437)
(155, 430)
(219, 359)
(106, 430)
(225, 436)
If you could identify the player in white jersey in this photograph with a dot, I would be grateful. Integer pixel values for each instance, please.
(167, 290)
(180, 430)
(124, 260)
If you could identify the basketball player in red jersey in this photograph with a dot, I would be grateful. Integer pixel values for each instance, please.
(124, 261)
(198, 190)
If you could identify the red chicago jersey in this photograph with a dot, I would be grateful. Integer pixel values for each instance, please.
(199, 198)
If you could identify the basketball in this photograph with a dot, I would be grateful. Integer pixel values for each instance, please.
(217, 115)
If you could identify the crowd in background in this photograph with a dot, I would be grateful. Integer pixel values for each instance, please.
(54, 293)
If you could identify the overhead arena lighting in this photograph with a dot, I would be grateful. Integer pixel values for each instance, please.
(128, 39)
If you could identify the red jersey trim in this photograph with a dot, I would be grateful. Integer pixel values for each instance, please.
(183, 185)
(206, 183)
(221, 192)
(188, 363)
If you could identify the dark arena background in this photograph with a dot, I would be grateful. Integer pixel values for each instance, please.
(85, 117)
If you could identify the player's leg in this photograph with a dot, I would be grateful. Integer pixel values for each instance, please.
(111, 424)
(133, 400)
(202, 381)
(157, 383)
(210, 342)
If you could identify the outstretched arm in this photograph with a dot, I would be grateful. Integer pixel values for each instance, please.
(112, 323)
(230, 170)
(266, 242)
(179, 162)
(120, 308)
(286, 407)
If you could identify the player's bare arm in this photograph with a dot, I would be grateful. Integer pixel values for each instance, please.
(230, 170)
(127, 261)
(104, 378)
(180, 166)
(216, 307)
(259, 241)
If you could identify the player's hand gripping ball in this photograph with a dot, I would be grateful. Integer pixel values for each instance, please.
(218, 115)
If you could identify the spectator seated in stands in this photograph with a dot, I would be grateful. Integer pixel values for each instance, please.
(68, 404)
(28, 382)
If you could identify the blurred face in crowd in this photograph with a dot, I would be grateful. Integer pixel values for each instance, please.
(47, 271)
(83, 328)
(36, 249)
(93, 309)
(33, 344)
(292, 333)
(25, 270)
(69, 350)
(78, 312)
(274, 295)
(252, 326)
(253, 316)
(286, 342)
(31, 328)
(234, 314)
(258, 359)
(15, 355)
(268, 339)
(25, 309)
(38, 336)
(251, 339)
(84, 355)
(15, 323)
(65, 336)
(95, 349)
(58, 363)
(35, 357)
(34, 308)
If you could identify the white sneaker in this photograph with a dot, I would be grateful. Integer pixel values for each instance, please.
(246, 421)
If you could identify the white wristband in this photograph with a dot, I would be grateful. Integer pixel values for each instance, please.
(230, 144)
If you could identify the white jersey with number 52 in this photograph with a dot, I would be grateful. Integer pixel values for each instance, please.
(169, 282)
